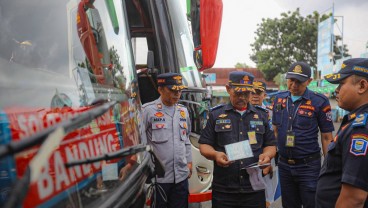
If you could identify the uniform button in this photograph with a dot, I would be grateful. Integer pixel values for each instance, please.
(241, 119)
(241, 176)
(290, 117)
(241, 132)
(241, 162)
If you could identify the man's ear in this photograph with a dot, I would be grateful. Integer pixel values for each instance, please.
(363, 86)
(228, 88)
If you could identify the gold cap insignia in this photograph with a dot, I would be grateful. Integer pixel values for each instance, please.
(297, 69)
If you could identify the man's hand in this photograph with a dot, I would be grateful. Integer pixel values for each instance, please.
(189, 165)
(222, 160)
(263, 159)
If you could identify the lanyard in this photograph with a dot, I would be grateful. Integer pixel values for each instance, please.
(293, 117)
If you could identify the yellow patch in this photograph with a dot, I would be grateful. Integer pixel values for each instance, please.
(297, 69)
(343, 66)
(182, 113)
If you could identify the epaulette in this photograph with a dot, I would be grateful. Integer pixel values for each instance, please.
(261, 108)
(360, 120)
(217, 107)
(320, 95)
(147, 104)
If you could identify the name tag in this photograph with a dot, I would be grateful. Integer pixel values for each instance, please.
(238, 150)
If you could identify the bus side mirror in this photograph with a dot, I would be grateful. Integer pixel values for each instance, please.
(206, 17)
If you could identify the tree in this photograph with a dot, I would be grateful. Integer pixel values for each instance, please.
(338, 49)
(241, 65)
(280, 42)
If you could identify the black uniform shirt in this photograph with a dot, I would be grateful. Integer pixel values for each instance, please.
(347, 159)
(226, 126)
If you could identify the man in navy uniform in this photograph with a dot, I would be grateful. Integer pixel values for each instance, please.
(259, 95)
(238, 121)
(343, 181)
(298, 115)
(168, 126)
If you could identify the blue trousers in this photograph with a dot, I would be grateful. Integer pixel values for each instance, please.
(299, 183)
(176, 194)
(238, 200)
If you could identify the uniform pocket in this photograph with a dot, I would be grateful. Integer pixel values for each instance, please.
(224, 134)
(158, 133)
(277, 119)
(304, 121)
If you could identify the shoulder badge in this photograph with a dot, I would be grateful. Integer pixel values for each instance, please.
(182, 113)
(360, 120)
(359, 144)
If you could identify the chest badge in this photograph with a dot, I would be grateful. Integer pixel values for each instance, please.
(222, 116)
(159, 106)
(160, 126)
(159, 114)
(256, 116)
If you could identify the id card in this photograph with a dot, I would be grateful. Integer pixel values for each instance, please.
(238, 150)
(252, 137)
(290, 139)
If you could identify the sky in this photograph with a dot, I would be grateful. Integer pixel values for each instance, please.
(240, 19)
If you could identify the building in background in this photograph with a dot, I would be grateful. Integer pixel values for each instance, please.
(217, 78)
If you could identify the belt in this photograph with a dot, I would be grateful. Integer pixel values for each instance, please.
(297, 161)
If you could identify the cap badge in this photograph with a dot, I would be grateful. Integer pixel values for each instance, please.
(297, 69)
(255, 116)
(309, 102)
(343, 66)
(159, 81)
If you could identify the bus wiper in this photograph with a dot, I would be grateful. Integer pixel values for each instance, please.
(159, 168)
(117, 154)
(69, 125)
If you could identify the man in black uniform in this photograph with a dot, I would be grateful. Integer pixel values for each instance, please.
(241, 123)
(343, 181)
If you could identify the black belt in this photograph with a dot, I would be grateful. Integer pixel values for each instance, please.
(295, 161)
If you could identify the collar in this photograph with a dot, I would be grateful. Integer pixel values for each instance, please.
(352, 115)
(159, 105)
(250, 107)
(306, 94)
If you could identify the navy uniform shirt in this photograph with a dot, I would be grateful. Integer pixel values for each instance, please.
(169, 136)
(303, 117)
(347, 159)
(227, 126)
